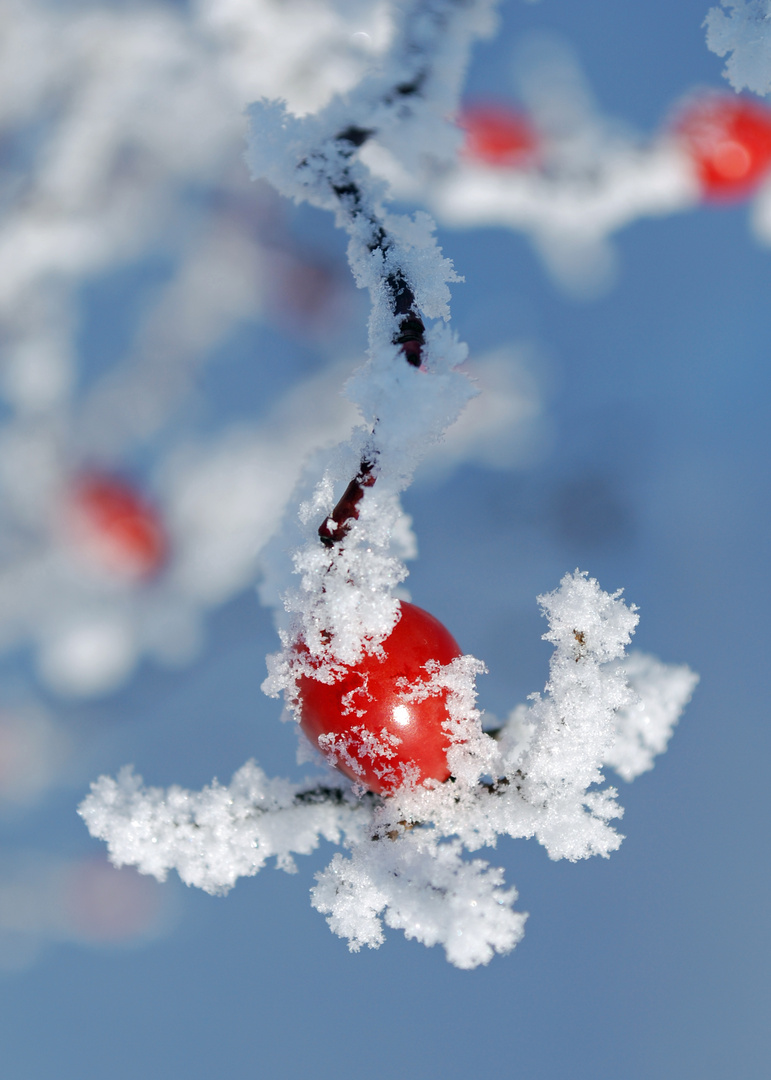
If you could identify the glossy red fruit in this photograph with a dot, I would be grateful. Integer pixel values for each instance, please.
(498, 135)
(729, 142)
(365, 723)
(116, 526)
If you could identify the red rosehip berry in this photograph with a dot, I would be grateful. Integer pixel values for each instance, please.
(116, 526)
(498, 135)
(366, 724)
(729, 141)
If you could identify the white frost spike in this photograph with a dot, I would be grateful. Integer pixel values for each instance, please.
(425, 889)
(574, 722)
(645, 726)
(413, 408)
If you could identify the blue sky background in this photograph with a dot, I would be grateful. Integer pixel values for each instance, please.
(654, 963)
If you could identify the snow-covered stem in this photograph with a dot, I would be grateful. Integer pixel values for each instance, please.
(410, 391)
(213, 837)
(417, 86)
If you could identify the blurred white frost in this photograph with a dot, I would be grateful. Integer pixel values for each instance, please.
(99, 100)
(590, 176)
(34, 748)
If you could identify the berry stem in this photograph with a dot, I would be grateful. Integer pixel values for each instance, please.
(335, 527)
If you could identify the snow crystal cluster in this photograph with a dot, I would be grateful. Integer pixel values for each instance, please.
(742, 29)
(336, 589)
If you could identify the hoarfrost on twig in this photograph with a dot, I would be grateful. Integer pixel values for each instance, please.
(214, 836)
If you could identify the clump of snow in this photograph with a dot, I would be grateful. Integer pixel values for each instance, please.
(427, 890)
(742, 28)
(412, 407)
(573, 722)
(345, 602)
(344, 605)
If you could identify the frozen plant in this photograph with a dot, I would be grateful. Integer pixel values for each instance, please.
(350, 639)
(539, 777)
(555, 168)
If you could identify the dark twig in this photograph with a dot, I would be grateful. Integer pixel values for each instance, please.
(333, 164)
(337, 796)
(334, 528)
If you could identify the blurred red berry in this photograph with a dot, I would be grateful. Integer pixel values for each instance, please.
(102, 904)
(116, 526)
(498, 135)
(365, 723)
(729, 142)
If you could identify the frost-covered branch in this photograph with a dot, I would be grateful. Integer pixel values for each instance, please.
(214, 836)
(405, 867)
(341, 620)
(315, 159)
